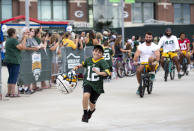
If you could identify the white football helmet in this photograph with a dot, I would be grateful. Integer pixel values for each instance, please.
(67, 83)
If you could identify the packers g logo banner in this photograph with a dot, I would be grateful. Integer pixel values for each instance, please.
(36, 65)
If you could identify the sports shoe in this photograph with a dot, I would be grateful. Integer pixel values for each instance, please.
(179, 76)
(188, 68)
(90, 113)
(152, 76)
(85, 118)
(137, 92)
(28, 91)
(21, 90)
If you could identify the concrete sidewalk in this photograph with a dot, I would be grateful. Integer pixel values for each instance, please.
(169, 108)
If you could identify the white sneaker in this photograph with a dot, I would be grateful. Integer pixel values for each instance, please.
(188, 68)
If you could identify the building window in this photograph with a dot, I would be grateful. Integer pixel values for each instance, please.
(52, 10)
(107, 13)
(182, 14)
(141, 12)
(6, 9)
(90, 13)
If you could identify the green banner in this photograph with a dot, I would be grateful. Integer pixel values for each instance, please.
(114, 1)
(129, 1)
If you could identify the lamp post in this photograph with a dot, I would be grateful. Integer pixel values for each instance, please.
(122, 18)
(27, 13)
(122, 23)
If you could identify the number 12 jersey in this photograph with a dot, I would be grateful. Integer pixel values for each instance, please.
(93, 79)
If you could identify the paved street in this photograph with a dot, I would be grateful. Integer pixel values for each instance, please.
(169, 108)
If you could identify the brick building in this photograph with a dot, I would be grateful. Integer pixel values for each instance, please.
(87, 13)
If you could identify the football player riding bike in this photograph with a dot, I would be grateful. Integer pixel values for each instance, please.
(170, 47)
(184, 45)
(149, 57)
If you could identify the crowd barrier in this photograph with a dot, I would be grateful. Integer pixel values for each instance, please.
(71, 58)
(88, 52)
(37, 66)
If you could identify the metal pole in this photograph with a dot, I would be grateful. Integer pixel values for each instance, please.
(122, 23)
(27, 13)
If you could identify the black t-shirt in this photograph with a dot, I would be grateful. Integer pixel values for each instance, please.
(118, 52)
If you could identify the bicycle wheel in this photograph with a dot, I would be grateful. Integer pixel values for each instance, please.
(183, 68)
(150, 86)
(187, 73)
(120, 70)
(133, 70)
(166, 70)
(127, 69)
(142, 89)
(114, 73)
(132, 67)
(172, 72)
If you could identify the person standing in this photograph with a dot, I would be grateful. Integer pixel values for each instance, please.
(118, 50)
(91, 40)
(54, 47)
(43, 45)
(67, 42)
(108, 54)
(13, 59)
(135, 45)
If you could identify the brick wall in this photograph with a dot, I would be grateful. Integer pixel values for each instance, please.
(33, 9)
(77, 9)
(15, 9)
(164, 12)
(192, 13)
(128, 9)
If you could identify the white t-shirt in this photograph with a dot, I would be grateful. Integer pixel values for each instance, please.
(147, 51)
(169, 43)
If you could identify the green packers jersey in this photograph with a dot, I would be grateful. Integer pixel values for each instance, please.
(90, 43)
(136, 44)
(93, 79)
(108, 56)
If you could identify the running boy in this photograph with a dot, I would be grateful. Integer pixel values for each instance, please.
(96, 69)
(108, 55)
